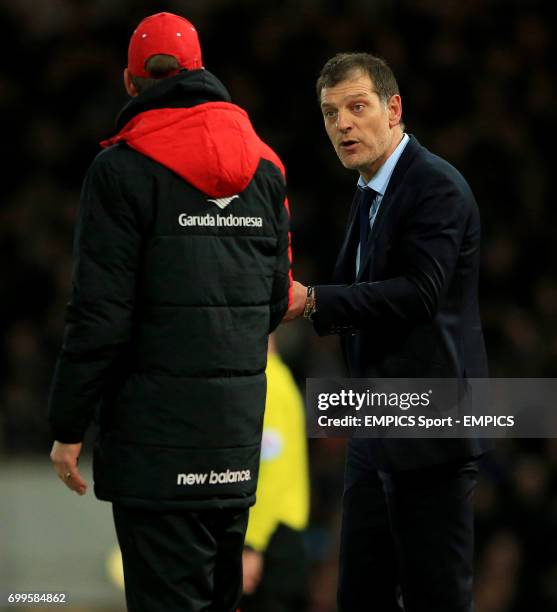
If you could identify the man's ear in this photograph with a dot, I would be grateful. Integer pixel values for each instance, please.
(130, 87)
(394, 108)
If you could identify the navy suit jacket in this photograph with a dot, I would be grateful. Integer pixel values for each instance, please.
(412, 311)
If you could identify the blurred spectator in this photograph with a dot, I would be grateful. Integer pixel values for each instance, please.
(274, 559)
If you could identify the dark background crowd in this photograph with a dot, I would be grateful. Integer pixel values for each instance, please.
(478, 88)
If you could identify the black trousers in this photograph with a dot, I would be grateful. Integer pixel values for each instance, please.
(407, 537)
(181, 561)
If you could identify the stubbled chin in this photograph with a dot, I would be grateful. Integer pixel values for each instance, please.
(350, 162)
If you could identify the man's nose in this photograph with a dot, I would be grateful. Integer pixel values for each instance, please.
(343, 122)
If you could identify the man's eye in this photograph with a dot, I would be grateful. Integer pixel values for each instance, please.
(358, 108)
(329, 114)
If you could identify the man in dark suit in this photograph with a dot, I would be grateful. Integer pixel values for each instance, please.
(404, 300)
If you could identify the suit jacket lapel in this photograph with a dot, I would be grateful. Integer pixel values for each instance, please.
(401, 167)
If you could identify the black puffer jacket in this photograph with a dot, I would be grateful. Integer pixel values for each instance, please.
(181, 270)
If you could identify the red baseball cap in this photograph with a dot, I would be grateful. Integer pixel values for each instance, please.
(166, 34)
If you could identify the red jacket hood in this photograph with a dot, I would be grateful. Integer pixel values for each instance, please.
(212, 146)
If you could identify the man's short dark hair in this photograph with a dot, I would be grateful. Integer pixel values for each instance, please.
(159, 67)
(342, 65)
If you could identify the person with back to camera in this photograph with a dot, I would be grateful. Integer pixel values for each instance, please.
(181, 271)
(404, 300)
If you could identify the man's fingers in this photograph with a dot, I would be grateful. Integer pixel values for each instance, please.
(296, 308)
(65, 458)
(71, 477)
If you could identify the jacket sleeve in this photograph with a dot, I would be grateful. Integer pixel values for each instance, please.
(99, 314)
(282, 281)
(427, 247)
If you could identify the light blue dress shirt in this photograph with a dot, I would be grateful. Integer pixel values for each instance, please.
(379, 183)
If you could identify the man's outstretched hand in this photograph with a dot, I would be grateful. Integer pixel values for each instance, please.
(296, 308)
(65, 458)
